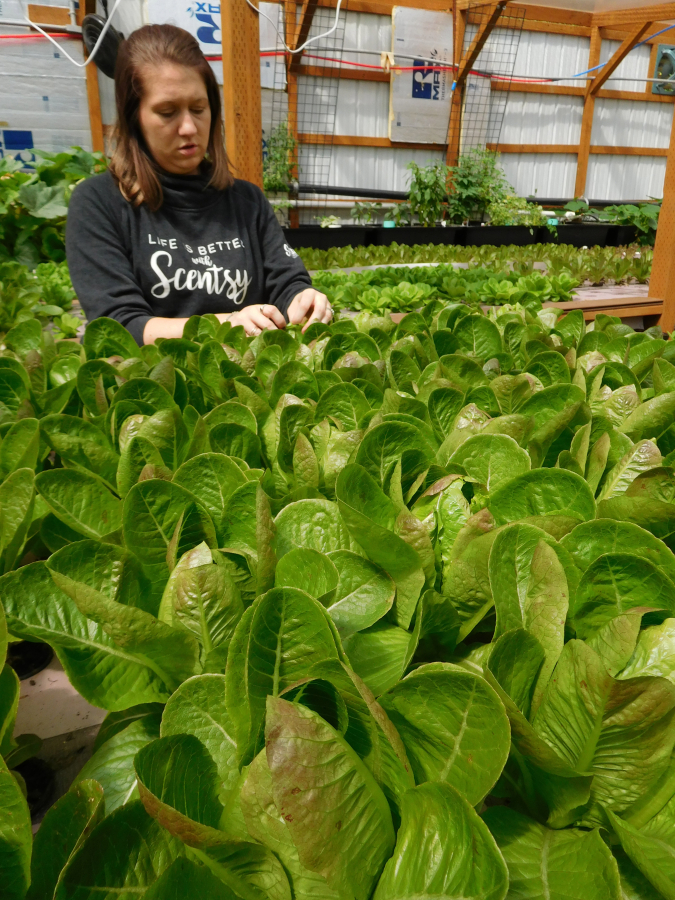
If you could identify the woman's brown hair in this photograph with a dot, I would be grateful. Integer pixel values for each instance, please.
(132, 165)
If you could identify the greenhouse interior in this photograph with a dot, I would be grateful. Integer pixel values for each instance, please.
(382, 607)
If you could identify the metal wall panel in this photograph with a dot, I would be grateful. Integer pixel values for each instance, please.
(625, 177)
(380, 168)
(632, 123)
(551, 56)
(365, 31)
(543, 174)
(43, 95)
(542, 119)
(362, 108)
(635, 65)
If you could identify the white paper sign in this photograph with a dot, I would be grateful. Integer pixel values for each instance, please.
(419, 101)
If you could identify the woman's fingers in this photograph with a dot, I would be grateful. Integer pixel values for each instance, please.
(300, 306)
(274, 314)
(259, 321)
(321, 311)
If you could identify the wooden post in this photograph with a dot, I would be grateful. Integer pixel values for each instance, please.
(291, 22)
(93, 94)
(455, 121)
(662, 281)
(241, 89)
(587, 119)
(94, 101)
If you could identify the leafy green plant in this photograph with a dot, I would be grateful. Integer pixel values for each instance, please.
(427, 193)
(365, 213)
(516, 211)
(34, 202)
(476, 182)
(279, 160)
(381, 610)
(644, 217)
(401, 214)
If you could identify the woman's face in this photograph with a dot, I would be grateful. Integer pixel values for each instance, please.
(175, 117)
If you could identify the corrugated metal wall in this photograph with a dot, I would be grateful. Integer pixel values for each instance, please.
(363, 109)
(43, 97)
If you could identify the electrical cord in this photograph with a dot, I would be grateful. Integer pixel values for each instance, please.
(98, 43)
(309, 41)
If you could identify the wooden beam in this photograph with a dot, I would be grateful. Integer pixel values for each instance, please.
(384, 7)
(594, 150)
(49, 15)
(357, 140)
(241, 89)
(547, 14)
(291, 28)
(94, 104)
(523, 87)
(662, 281)
(517, 87)
(533, 148)
(302, 33)
(456, 99)
(483, 33)
(587, 119)
(628, 151)
(634, 15)
(623, 309)
(617, 58)
(345, 73)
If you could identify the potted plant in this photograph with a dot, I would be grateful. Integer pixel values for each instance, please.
(427, 204)
(582, 226)
(512, 220)
(635, 222)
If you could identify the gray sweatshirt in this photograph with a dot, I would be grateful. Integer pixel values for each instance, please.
(203, 251)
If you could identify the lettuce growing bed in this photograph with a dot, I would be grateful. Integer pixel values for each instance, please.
(375, 611)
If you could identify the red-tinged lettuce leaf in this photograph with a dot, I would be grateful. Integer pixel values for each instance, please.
(265, 824)
(337, 815)
(621, 732)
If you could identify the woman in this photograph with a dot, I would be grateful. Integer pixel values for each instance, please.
(167, 232)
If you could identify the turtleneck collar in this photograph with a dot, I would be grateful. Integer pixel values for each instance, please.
(188, 191)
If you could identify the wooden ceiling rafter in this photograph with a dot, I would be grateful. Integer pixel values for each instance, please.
(634, 15)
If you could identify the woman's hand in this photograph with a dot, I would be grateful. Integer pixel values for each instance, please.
(311, 305)
(256, 318)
